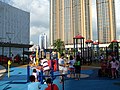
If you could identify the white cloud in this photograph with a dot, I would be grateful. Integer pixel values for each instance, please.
(38, 30)
(39, 15)
(117, 11)
(39, 12)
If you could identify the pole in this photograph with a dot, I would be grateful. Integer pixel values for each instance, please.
(74, 46)
(63, 83)
(10, 49)
(41, 77)
(8, 71)
(28, 73)
(57, 61)
(9, 63)
(118, 51)
(83, 50)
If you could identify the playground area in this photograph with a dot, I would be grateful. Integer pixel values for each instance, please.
(89, 80)
(18, 77)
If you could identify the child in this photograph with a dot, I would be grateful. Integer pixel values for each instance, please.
(71, 67)
(35, 74)
(77, 66)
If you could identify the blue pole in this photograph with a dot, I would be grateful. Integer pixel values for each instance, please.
(52, 72)
(63, 83)
(28, 73)
(74, 46)
(44, 52)
(57, 61)
(41, 76)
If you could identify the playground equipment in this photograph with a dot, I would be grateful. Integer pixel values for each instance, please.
(96, 49)
(89, 44)
(115, 48)
(41, 76)
(53, 67)
(53, 63)
(52, 75)
(76, 43)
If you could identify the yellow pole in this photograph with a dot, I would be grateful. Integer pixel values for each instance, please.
(68, 57)
(8, 71)
(9, 62)
(37, 58)
(58, 55)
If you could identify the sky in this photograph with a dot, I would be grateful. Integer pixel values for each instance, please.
(39, 16)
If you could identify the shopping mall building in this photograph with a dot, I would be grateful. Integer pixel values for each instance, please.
(14, 30)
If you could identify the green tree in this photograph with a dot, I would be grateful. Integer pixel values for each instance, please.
(59, 45)
(110, 46)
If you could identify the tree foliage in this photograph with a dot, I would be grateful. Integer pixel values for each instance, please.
(113, 45)
(59, 45)
(110, 46)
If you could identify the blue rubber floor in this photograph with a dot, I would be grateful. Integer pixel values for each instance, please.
(18, 81)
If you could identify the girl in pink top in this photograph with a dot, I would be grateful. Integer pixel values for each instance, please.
(113, 68)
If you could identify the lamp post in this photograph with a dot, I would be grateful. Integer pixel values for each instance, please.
(9, 39)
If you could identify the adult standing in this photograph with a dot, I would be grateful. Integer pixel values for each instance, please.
(61, 64)
(33, 85)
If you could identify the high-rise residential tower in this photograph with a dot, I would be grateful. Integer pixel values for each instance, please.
(106, 23)
(69, 18)
(43, 41)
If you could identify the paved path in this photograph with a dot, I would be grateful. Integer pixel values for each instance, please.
(2, 71)
(18, 80)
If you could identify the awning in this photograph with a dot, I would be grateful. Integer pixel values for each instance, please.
(16, 45)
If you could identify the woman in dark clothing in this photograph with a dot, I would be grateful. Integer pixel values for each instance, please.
(77, 66)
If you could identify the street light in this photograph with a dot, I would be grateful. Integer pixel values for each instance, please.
(9, 38)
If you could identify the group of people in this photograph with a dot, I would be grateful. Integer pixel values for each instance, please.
(110, 67)
(72, 65)
(72, 68)
(35, 84)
